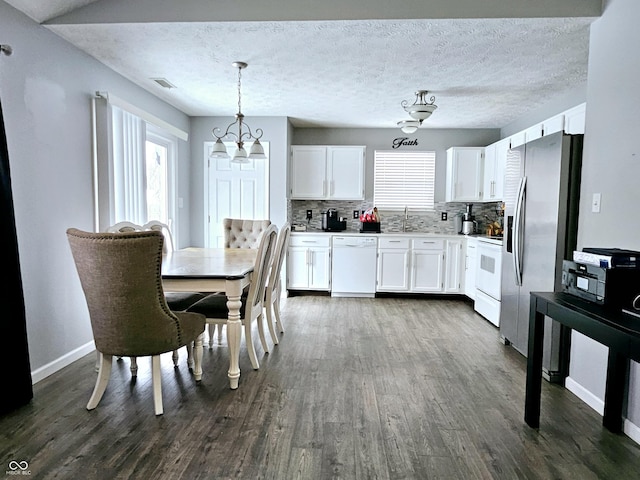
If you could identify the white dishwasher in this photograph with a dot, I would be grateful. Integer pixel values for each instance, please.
(353, 266)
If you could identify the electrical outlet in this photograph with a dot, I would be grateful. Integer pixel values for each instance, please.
(443, 216)
(356, 214)
(309, 214)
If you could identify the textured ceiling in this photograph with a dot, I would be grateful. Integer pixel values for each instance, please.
(484, 73)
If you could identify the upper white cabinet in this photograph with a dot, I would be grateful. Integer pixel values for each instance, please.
(495, 159)
(574, 119)
(327, 172)
(465, 174)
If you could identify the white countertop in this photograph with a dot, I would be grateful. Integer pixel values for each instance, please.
(484, 238)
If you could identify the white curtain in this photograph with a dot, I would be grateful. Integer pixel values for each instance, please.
(128, 163)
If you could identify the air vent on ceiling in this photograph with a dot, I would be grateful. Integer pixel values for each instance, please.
(163, 82)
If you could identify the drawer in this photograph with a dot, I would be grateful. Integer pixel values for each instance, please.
(309, 240)
(428, 243)
(488, 307)
(393, 242)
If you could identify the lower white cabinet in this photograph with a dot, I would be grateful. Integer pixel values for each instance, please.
(455, 257)
(309, 262)
(419, 264)
(394, 263)
(470, 268)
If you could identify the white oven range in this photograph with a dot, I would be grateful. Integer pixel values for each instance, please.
(488, 279)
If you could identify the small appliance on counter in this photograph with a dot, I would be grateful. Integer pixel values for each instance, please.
(298, 227)
(331, 222)
(469, 225)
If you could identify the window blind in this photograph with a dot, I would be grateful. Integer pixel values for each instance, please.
(404, 179)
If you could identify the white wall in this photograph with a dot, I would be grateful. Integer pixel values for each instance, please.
(46, 87)
(611, 166)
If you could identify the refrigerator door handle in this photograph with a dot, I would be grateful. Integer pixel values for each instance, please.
(518, 231)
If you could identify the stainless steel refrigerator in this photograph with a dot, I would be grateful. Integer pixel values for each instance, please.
(541, 195)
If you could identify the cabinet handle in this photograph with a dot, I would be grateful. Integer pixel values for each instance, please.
(324, 188)
(333, 189)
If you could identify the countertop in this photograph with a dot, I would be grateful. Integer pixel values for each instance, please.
(481, 237)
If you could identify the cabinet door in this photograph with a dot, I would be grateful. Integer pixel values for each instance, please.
(465, 174)
(345, 175)
(393, 270)
(455, 267)
(426, 271)
(502, 148)
(319, 268)
(298, 268)
(470, 272)
(489, 183)
(308, 172)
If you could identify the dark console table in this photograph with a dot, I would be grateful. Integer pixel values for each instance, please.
(616, 330)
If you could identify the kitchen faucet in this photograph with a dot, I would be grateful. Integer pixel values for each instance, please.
(405, 218)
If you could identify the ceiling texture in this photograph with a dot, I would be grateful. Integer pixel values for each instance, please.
(338, 63)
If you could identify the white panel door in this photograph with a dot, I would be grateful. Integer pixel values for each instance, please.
(234, 190)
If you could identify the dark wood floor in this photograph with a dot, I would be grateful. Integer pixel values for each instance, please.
(358, 388)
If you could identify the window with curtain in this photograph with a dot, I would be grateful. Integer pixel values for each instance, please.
(404, 179)
(134, 166)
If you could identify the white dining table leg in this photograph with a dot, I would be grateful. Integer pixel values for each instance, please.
(234, 331)
(197, 354)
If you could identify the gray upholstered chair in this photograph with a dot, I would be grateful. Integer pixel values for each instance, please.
(214, 306)
(239, 233)
(177, 301)
(274, 284)
(120, 274)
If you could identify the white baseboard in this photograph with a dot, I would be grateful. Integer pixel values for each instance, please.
(59, 363)
(585, 395)
(630, 429)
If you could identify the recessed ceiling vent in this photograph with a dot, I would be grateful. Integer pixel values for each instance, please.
(163, 82)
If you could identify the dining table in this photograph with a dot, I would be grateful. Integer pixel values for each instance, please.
(211, 270)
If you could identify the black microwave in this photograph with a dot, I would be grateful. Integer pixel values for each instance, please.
(617, 288)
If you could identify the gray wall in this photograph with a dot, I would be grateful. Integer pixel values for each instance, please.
(46, 87)
(382, 139)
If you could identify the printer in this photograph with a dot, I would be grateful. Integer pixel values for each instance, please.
(608, 277)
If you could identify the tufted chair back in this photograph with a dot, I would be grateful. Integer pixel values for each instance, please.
(239, 233)
(120, 276)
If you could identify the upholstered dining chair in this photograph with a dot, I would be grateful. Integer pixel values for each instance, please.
(120, 274)
(240, 233)
(214, 306)
(177, 301)
(273, 291)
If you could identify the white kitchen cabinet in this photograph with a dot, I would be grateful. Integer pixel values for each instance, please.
(309, 262)
(393, 264)
(465, 174)
(327, 172)
(470, 268)
(574, 119)
(495, 160)
(455, 257)
(427, 265)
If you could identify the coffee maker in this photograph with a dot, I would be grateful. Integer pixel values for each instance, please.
(331, 222)
(469, 225)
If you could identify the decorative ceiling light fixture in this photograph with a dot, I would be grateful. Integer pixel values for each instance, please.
(419, 110)
(240, 155)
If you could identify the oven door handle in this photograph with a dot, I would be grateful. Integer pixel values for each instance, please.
(518, 231)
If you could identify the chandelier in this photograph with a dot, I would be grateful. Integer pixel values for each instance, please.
(240, 155)
(419, 110)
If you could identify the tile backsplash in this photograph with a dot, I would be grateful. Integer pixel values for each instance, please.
(392, 221)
